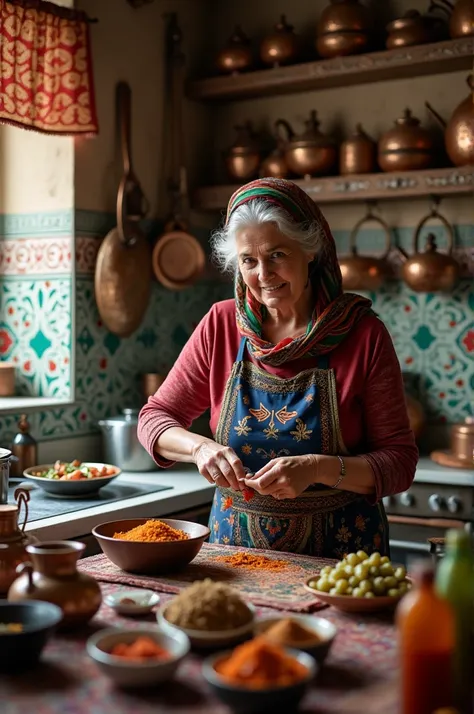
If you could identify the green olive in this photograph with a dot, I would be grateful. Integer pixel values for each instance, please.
(333, 591)
(341, 587)
(326, 570)
(403, 587)
(323, 585)
(400, 573)
(348, 571)
(374, 571)
(362, 555)
(357, 592)
(386, 569)
(393, 592)
(375, 559)
(313, 584)
(361, 570)
(365, 586)
(379, 586)
(390, 582)
(349, 590)
(369, 593)
(352, 559)
(384, 559)
(331, 577)
(354, 581)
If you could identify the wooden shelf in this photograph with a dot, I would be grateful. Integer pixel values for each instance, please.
(363, 187)
(433, 58)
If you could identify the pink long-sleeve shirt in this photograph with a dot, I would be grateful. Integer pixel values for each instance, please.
(371, 399)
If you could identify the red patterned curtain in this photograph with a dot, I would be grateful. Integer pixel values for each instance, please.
(46, 81)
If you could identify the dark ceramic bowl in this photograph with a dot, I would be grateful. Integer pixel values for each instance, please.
(150, 558)
(257, 701)
(21, 650)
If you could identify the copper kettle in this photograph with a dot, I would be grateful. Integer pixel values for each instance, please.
(357, 154)
(430, 271)
(275, 164)
(237, 55)
(311, 153)
(243, 158)
(407, 146)
(459, 131)
(362, 272)
(413, 28)
(344, 28)
(461, 23)
(281, 46)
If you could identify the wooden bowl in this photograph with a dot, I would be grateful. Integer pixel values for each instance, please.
(347, 603)
(150, 558)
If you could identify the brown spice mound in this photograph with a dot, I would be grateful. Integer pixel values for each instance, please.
(253, 562)
(210, 606)
(289, 633)
(152, 532)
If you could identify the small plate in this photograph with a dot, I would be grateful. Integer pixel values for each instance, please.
(347, 603)
(144, 601)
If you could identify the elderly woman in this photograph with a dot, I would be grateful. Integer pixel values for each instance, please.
(306, 398)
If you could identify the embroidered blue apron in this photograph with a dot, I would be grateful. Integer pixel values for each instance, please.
(263, 417)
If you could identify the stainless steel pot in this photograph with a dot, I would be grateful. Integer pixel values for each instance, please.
(121, 445)
(5, 456)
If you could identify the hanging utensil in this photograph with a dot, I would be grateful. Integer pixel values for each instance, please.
(122, 278)
(178, 258)
(363, 272)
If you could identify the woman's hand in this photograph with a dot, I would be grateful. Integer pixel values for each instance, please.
(285, 477)
(220, 465)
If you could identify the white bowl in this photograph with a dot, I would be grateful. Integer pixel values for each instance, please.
(209, 638)
(145, 601)
(325, 633)
(126, 673)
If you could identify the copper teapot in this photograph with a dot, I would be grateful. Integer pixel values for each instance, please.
(275, 164)
(413, 28)
(363, 272)
(281, 46)
(459, 131)
(461, 23)
(357, 155)
(311, 153)
(344, 28)
(13, 539)
(243, 158)
(430, 271)
(237, 55)
(407, 146)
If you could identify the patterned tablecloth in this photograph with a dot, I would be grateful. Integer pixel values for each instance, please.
(359, 676)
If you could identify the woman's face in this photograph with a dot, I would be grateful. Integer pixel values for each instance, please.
(274, 267)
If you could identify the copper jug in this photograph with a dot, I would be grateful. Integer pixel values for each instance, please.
(459, 131)
(416, 415)
(237, 55)
(311, 153)
(344, 28)
(243, 158)
(413, 28)
(52, 576)
(407, 146)
(462, 440)
(461, 23)
(13, 539)
(430, 271)
(275, 164)
(357, 154)
(361, 272)
(281, 46)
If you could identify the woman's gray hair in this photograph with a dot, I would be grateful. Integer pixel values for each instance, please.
(310, 235)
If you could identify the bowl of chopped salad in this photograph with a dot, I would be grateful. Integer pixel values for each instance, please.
(72, 478)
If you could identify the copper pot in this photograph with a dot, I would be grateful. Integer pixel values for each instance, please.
(151, 382)
(461, 23)
(275, 164)
(362, 272)
(281, 46)
(13, 539)
(406, 147)
(52, 576)
(344, 28)
(413, 29)
(311, 153)
(243, 158)
(357, 155)
(430, 271)
(416, 415)
(462, 440)
(459, 131)
(237, 55)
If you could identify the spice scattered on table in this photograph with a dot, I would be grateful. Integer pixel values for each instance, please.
(209, 606)
(253, 562)
(152, 532)
(259, 664)
(290, 633)
(143, 648)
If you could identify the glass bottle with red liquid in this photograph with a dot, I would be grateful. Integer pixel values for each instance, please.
(426, 633)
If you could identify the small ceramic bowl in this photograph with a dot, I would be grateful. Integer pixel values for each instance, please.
(127, 673)
(256, 701)
(38, 620)
(141, 602)
(324, 633)
(210, 639)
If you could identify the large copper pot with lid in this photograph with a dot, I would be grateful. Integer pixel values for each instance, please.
(357, 154)
(431, 271)
(459, 131)
(413, 28)
(344, 28)
(281, 46)
(461, 23)
(243, 158)
(237, 54)
(311, 153)
(407, 146)
(363, 272)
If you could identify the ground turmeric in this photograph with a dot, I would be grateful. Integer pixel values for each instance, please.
(289, 633)
(253, 562)
(259, 664)
(152, 532)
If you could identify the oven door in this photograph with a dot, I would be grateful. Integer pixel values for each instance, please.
(409, 536)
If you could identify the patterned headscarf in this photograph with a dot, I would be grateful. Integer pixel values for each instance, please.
(334, 314)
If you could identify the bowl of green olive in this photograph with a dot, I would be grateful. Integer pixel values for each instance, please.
(360, 583)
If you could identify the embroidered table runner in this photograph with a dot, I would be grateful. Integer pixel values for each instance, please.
(282, 589)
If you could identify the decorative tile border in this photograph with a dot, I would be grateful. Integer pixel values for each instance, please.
(35, 256)
(87, 248)
(36, 224)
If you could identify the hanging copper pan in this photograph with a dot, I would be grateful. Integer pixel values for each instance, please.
(122, 279)
(178, 258)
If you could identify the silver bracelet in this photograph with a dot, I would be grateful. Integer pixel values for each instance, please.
(342, 472)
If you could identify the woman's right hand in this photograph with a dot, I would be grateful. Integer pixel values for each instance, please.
(220, 465)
